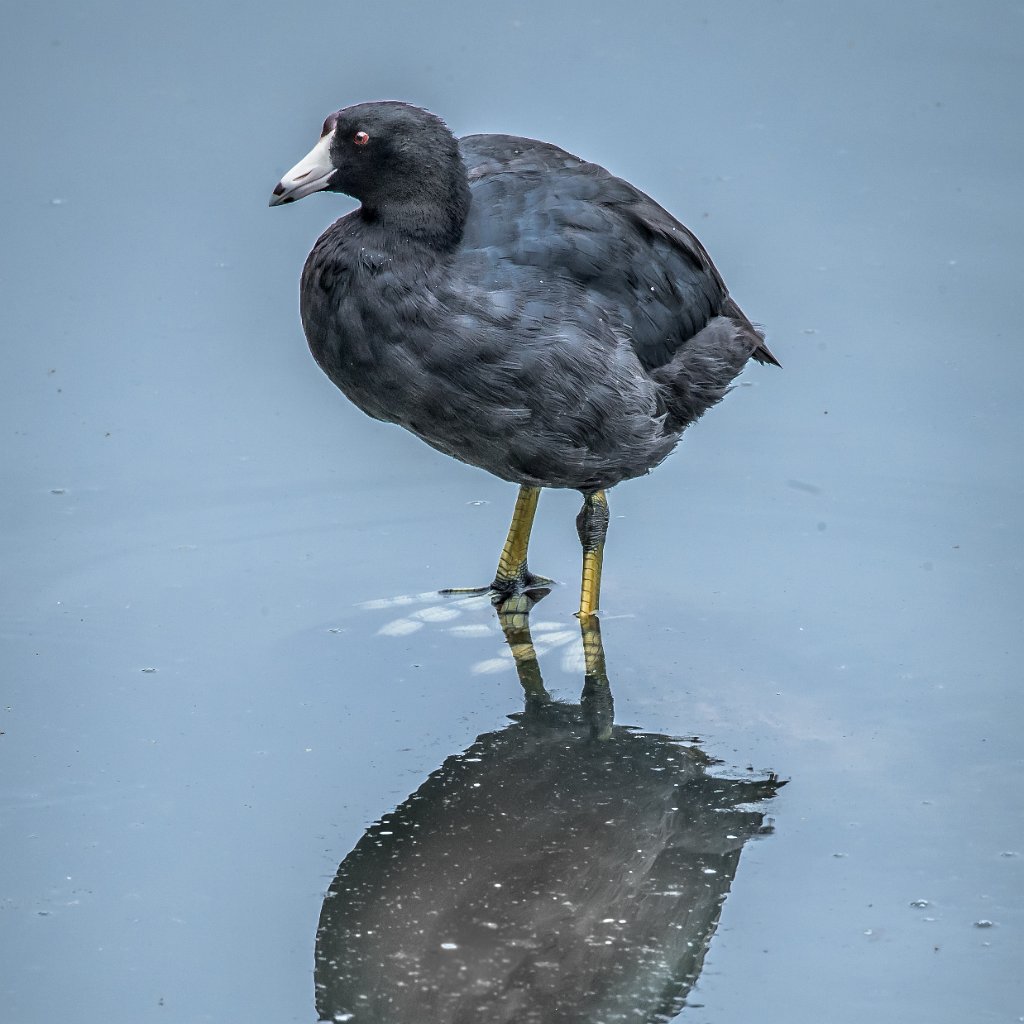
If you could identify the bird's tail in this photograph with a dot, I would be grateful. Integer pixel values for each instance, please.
(702, 372)
(762, 353)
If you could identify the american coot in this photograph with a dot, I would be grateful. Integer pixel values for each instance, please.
(514, 306)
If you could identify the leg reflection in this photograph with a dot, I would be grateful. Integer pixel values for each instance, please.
(514, 617)
(596, 700)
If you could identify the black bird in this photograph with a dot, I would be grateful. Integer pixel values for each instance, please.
(516, 307)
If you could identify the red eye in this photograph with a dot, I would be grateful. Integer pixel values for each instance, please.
(360, 138)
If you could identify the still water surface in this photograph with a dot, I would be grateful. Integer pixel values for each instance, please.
(227, 675)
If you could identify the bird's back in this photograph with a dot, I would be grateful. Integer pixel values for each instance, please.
(537, 206)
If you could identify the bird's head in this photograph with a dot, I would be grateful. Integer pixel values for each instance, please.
(377, 153)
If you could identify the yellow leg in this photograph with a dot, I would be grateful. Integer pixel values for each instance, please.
(513, 576)
(513, 573)
(592, 525)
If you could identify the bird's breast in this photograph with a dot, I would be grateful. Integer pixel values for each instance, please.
(374, 328)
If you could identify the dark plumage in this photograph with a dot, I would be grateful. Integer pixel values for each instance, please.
(514, 306)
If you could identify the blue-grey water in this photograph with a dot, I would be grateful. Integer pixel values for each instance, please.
(222, 658)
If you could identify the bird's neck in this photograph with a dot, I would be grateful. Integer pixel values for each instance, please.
(432, 216)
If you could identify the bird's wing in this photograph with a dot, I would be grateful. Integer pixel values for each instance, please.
(535, 205)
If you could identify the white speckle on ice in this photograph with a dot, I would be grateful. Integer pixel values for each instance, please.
(436, 614)
(399, 627)
(474, 630)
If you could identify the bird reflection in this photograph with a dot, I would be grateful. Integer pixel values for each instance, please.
(560, 870)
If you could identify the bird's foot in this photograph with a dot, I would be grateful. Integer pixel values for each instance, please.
(521, 583)
(504, 587)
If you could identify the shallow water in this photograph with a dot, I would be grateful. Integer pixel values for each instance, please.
(223, 656)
